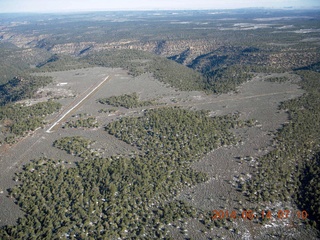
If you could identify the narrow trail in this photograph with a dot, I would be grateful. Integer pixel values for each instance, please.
(242, 98)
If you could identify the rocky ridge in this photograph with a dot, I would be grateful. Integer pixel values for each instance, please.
(185, 51)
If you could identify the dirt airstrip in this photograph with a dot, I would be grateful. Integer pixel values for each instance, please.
(256, 99)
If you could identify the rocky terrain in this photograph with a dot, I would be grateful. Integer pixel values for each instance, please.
(195, 53)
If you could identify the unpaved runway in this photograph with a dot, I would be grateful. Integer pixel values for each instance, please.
(252, 101)
(76, 104)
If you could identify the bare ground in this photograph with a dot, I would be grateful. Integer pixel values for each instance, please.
(256, 99)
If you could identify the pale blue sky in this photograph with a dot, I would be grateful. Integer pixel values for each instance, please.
(93, 5)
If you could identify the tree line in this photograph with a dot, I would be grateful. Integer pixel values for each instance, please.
(289, 171)
(17, 119)
(121, 196)
(126, 100)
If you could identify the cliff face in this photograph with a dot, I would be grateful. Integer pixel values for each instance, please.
(191, 52)
(71, 48)
(164, 48)
(182, 50)
(22, 40)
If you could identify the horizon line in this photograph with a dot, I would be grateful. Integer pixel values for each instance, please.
(152, 10)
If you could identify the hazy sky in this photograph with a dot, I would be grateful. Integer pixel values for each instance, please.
(90, 5)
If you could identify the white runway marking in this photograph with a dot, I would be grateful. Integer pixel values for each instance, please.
(62, 117)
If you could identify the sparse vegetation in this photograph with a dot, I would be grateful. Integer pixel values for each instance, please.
(19, 88)
(89, 122)
(112, 110)
(278, 79)
(139, 62)
(126, 100)
(134, 196)
(77, 146)
(285, 173)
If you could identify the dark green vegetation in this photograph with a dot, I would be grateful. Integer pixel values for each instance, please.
(120, 196)
(112, 110)
(89, 122)
(209, 79)
(206, 41)
(312, 67)
(136, 62)
(139, 62)
(19, 88)
(17, 84)
(8, 71)
(227, 67)
(17, 119)
(174, 132)
(132, 197)
(309, 197)
(126, 100)
(290, 170)
(221, 51)
(226, 79)
(77, 146)
(60, 63)
(15, 61)
(278, 79)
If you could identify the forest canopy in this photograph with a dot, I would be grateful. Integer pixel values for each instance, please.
(113, 197)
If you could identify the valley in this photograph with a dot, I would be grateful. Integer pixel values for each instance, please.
(140, 125)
